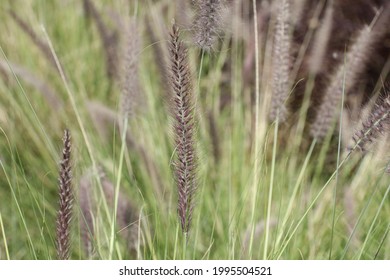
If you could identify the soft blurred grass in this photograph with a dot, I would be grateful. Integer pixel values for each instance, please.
(30, 145)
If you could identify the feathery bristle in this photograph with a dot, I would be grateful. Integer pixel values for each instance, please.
(321, 41)
(343, 80)
(130, 82)
(374, 125)
(183, 113)
(281, 63)
(64, 215)
(207, 23)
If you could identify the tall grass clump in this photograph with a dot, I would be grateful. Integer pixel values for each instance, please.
(346, 75)
(184, 128)
(205, 140)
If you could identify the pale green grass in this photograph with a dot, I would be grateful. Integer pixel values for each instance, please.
(272, 195)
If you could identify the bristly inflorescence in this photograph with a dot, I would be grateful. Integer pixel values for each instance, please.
(130, 87)
(374, 125)
(207, 22)
(343, 79)
(183, 113)
(281, 62)
(347, 74)
(64, 215)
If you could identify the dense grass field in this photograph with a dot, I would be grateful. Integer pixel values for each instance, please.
(265, 189)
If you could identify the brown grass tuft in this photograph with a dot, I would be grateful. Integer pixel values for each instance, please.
(64, 215)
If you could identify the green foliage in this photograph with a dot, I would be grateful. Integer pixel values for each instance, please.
(307, 216)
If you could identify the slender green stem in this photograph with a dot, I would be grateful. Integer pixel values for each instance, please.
(295, 192)
(337, 173)
(382, 242)
(312, 204)
(117, 188)
(270, 191)
(373, 222)
(4, 237)
(256, 140)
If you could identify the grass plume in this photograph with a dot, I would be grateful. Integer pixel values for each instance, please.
(207, 23)
(183, 113)
(130, 87)
(347, 74)
(374, 125)
(281, 62)
(64, 215)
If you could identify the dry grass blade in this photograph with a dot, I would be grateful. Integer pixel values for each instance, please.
(64, 215)
(183, 113)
